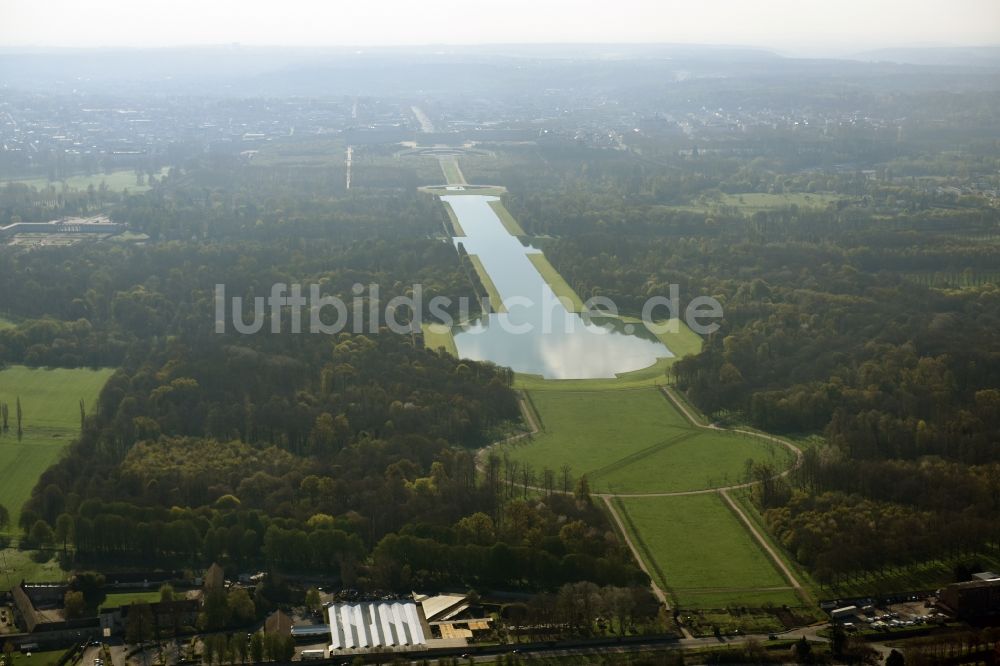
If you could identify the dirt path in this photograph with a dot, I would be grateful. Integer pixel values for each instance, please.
(529, 416)
(764, 544)
(679, 404)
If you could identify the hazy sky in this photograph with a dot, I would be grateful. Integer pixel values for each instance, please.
(791, 25)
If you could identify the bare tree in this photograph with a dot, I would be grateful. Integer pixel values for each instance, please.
(548, 481)
(564, 472)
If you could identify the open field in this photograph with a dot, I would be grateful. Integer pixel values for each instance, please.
(116, 180)
(681, 341)
(125, 598)
(690, 461)
(315, 152)
(50, 402)
(559, 286)
(635, 442)
(509, 223)
(701, 552)
(439, 336)
(584, 429)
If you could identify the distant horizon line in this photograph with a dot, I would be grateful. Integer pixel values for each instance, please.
(785, 51)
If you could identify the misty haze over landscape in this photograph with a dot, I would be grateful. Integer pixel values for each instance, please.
(532, 333)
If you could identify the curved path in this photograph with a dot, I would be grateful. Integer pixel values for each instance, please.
(683, 409)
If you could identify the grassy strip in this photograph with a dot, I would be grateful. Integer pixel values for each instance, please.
(559, 286)
(509, 223)
(126, 598)
(675, 334)
(452, 172)
(534, 410)
(496, 303)
(456, 225)
(439, 336)
(441, 191)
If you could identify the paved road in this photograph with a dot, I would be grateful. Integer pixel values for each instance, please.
(810, 633)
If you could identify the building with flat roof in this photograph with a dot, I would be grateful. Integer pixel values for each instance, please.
(100, 224)
(972, 599)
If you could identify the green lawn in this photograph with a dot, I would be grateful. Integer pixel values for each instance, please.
(635, 442)
(50, 403)
(32, 566)
(6, 323)
(701, 553)
(452, 172)
(491, 290)
(509, 223)
(455, 224)
(586, 429)
(437, 336)
(693, 460)
(559, 286)
(125, 598)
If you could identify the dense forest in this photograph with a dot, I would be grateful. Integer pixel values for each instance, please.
(861, 307)
(352, 454)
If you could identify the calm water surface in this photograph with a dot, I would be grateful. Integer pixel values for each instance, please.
(559, 344)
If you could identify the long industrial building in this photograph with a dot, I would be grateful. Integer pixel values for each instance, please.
(375, 624)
